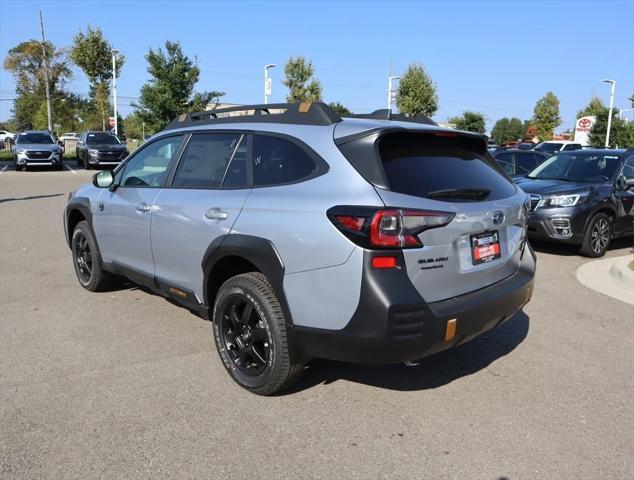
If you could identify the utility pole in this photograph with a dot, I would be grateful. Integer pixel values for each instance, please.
(607, 135)
(48, 92)
(389, 91)
(114, 90)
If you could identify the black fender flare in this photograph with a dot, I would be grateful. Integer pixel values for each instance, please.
(256, 250)
(80, 204)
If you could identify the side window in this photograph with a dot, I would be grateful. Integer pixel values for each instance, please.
(236, 176)
(628, 168)
(148, 168)
(277, 161)
(525, 163)
(205, 160)
(506, 161)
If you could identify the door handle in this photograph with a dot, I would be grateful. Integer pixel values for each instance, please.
(216, 214)
(142, 207)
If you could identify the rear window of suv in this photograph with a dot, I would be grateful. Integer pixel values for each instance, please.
(441, 172)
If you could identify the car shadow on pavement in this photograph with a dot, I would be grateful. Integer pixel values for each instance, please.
(32, 197)
(563, 249)
(432, 372)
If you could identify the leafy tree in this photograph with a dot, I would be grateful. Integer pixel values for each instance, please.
(595, 107)
(621, 131)
(170, 91)
(506, 130)
(299, 79)
(93, 54)
(417, 92)
(134, 126)
(546, 116)
(26, 63)
(339, 109)
(470, 122)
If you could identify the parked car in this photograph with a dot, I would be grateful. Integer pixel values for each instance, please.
(519, 163)
(37, 148)
(584, 197)
(525, 146)
(555, 146)
(304, 235)
(98, 149)
(68, 136)
(4, 135)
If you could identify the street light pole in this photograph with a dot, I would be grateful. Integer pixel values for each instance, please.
(607, 135)
(389, 91)
(114, 90)
(49, 113)
(267, 82)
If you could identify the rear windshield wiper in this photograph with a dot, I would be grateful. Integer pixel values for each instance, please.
(462, 193)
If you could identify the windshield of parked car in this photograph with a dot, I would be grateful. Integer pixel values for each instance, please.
(42, 138)
(102, 138)
(577, 167)
(549, 147)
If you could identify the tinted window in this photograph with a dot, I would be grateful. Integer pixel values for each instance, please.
(577, 167)
(439, 173)
(506, 162)
(102, 138)
(148, 167)
(42, 138)
(205, 160)
(628, 168)
(277, 161)
(236, 176)
(525, 163)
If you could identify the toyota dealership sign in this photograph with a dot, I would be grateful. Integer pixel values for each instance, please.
(582, 130)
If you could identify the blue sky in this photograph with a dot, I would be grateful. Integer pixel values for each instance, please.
(493, 57)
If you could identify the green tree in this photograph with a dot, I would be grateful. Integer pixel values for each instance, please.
(470, 122)
(595, 107)
(339, 109)
(417, 93)
(26, 63)
(546, 116)
(299, 79)
(93, 54)
(506, 130)
(170, 91)
(134, 126)
(621, 131)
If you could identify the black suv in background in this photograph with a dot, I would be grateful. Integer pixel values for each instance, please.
(519, 162)
(95, 149)
(583, 197)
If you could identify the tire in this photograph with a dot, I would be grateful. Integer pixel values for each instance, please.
(87, 165)
(258, 357)
(596, 238)
(87, 259)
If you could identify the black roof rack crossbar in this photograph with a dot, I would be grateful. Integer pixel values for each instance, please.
(306, 113)
(386, 114)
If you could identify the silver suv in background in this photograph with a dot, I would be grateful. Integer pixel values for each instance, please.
(37, 148)
(304, 235)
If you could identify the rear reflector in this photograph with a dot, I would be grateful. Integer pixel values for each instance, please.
(450, 331)
(384, 262)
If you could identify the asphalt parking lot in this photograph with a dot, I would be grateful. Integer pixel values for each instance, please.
(124, 384)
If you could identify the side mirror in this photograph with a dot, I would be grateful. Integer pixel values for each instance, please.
(103, 179)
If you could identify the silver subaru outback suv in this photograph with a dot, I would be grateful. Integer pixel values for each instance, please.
(302, 235)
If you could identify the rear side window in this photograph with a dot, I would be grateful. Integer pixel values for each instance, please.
(206, 159)
(277, 161)
(507, 162)
(440, 172)
(525, 163)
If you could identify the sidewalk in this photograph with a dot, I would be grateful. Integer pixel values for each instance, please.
(611, 276)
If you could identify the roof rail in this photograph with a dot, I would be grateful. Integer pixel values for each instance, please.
(386, 114)
(305, 113)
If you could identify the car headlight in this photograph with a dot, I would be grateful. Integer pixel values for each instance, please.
(565, 200)
(93, 152)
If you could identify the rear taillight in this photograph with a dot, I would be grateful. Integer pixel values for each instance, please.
(386, 228)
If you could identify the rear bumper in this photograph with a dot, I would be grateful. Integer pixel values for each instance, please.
(393, 323)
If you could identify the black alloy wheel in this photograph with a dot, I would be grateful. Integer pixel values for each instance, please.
(83, 258)
(245, 335)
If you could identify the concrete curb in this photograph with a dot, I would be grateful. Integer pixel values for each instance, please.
(610, 276)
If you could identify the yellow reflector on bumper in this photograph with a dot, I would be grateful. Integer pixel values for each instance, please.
(450, 331)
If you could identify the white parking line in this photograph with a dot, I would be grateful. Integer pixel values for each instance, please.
(3, 169)
(67, 166)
